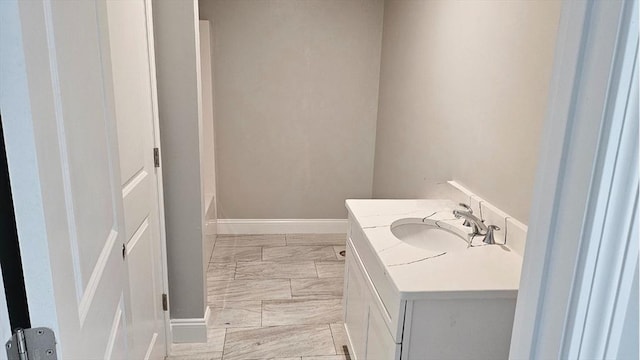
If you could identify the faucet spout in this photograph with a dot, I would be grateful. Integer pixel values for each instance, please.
(478, 226)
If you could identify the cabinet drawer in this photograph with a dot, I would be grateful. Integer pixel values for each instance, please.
(381, 284)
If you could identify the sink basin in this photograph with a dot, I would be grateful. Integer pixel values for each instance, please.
(428, 235)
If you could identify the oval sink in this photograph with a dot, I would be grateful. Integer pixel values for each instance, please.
(427, 235)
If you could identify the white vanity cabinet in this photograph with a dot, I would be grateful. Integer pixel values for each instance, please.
(383, 323)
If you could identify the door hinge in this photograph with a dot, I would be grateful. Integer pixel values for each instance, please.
(156, 157)
(36, 343)
(165, 302)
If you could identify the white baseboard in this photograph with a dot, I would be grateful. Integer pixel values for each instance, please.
(190, 330)
(282, 226)
(211, 227)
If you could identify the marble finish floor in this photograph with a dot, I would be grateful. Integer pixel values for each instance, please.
(273, 297)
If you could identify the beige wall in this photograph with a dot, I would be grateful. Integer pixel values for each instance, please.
(296, 96)
(463, 94)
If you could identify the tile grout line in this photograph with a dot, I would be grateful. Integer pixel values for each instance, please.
(235, 270)
(333, 339)
(224, 342)
(290, 290)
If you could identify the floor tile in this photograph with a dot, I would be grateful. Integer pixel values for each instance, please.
(278, 341)
(315, 297)
(250, 240)
(330, 269)
(325, 286)
(339, 337)
(239, 290)
(221, 271)
(226, 314)
(297, 312)
(215, 342)
(340, 250)
(215, 355)
(231, 254)
(273, 297)
(275, 270)
(298, 253)
(316, 239)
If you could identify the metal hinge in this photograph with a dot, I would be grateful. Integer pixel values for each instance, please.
(156, 157)
(36, 343)
(165, 302)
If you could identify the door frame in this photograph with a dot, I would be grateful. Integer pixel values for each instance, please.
(158, 170)
(596, 53)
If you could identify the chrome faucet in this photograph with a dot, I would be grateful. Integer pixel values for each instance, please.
(468, 209)
(478, 227)
(488, 237)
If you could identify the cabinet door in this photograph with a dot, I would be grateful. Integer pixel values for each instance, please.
(380, 344)
(356, 307)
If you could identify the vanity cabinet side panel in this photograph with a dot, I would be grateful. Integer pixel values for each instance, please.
(460, 329)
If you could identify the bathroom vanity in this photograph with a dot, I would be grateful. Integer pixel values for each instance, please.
(415, 290)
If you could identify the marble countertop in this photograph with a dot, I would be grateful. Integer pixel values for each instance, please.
(478, 271)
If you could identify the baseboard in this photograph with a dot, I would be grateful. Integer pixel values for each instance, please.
(190, 330)
(211, 227)
(282, 226)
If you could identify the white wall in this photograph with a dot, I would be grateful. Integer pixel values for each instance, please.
(177, 66)
(463, 94)
(296, 96)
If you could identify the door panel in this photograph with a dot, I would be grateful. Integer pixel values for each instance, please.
(132, 81)
(56, 96)
(83, 144)
(117, 343)
(144, 295)
(136, 197)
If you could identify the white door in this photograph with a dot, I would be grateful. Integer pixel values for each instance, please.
(58, 115)
(134, 93)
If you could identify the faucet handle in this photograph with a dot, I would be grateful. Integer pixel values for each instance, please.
(468, 208)
(489, 238)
